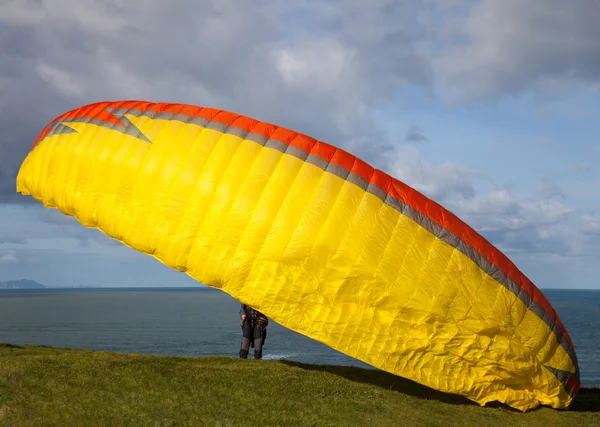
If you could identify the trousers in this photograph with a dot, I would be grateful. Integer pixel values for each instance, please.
(252, 335)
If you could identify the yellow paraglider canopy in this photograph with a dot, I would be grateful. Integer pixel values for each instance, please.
(313, 237)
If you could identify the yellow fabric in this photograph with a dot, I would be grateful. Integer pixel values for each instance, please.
(312, 251)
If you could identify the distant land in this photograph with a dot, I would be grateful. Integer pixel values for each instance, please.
(21, 284)
(32, 284)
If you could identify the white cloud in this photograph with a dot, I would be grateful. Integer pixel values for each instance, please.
(591, 225)
(439, 182)
(318, 63)
(326, 67)
(541, 222)
(63, 82)
(8, 258)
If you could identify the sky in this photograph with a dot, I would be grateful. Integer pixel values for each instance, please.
(489, 107)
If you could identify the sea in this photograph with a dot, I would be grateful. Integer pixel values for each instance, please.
(203, 321)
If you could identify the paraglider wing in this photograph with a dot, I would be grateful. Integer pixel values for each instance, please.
(313, 237)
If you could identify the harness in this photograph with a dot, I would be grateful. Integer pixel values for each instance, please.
(255, 325)
(256, 318)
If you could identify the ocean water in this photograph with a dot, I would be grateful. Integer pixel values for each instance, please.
(164, 321)
(202, 321)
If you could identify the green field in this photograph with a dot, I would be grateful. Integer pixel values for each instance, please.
(44, 386)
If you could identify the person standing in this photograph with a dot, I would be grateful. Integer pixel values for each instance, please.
(254, 331)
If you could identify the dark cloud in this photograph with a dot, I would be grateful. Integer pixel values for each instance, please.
(500, 47)
(27, 105)
(582, 167)
(11, 239)
(415, 135)
(550, 188)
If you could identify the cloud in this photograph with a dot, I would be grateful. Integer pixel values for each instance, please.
(540, 222)
(12, 239)
(28, 225)
(440, 182)
(536, 225)
(586, 190)
(550, 189)
(582, 167)
(592, 225)
(68, 227)
(504, 47)
(415, 135)
(8, 258)
(92, 268)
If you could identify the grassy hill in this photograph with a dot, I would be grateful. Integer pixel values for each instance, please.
(44, 386)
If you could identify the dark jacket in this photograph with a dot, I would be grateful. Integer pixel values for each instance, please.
(253, 316)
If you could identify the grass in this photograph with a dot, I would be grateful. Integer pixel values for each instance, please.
(46, 386)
